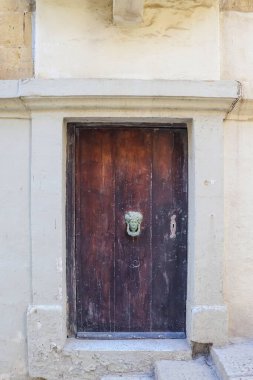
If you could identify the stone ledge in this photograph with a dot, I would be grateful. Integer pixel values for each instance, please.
(119, 87)
(24, 96)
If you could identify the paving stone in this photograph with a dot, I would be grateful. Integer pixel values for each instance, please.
(234, 361)
(189, 370)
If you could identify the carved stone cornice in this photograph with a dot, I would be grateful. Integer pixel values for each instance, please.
(35, 95)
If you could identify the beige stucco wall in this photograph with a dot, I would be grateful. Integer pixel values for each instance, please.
(238, 137)
(237, 42)
(237, 62)
(14, 242)
(178, 40)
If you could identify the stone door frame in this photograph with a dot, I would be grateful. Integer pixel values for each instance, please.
(179, 133)
(50, 105)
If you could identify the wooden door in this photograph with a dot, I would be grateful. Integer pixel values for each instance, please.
(130, 286)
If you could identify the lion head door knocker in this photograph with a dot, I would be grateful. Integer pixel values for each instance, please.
(133, 221)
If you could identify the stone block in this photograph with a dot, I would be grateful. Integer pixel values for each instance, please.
(234, 361)
(208, 325)
(16, 5)
(15, 39)
(15, 63)
(237, 5)
(45, 335)
(189, 370)
(12, 28)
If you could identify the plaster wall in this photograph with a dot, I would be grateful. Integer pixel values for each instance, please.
(238, 137)
(177, 40)
(236, 42)
(14, 242)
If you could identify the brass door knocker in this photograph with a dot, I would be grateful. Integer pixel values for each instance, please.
(133, 221)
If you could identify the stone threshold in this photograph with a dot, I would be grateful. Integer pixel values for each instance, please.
(178, 348)
(124, 357)
(128, 377)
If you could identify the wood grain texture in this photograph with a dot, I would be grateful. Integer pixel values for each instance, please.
(133, 255)
(169, 205)
(70, 231)
(123, 283)
(95, 210)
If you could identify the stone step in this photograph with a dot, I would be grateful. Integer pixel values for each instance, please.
(128, 377)
(235, 361)
(124, 357)
(186, 370)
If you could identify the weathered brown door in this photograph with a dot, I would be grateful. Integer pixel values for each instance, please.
(130, 286)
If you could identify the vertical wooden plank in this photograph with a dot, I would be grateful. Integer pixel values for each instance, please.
(180, 194)
(169, 222)
(96, 228)
(133, 255)
(70, 231)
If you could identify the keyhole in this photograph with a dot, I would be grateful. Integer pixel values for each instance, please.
(135, 264)
(173, 227)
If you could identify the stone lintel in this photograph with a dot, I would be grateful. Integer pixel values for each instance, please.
(120, 87)
(187, 96)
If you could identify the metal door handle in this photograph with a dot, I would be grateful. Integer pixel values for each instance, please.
(133, 221)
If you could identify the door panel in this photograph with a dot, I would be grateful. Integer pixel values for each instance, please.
(95, 229)
(125, 283)
(133, 162)
(169, 197)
